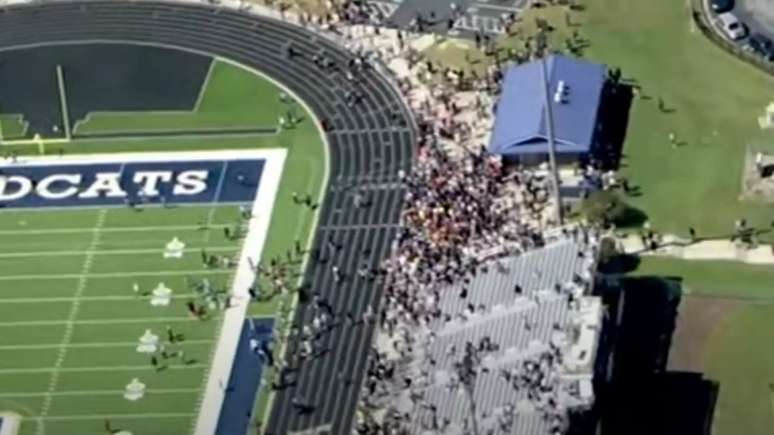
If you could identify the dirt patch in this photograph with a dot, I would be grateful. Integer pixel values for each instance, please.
(698, 317)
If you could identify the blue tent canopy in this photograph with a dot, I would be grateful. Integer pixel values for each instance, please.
(575, 91)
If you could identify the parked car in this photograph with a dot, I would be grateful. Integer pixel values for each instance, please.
(720, 6)
(731, 25)
(761, 45)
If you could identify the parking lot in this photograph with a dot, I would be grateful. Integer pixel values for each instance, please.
(757, 14)
(756, 17)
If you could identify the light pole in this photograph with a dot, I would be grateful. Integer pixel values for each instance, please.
(551, 143)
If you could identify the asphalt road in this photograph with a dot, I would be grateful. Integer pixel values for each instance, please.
(367, 150)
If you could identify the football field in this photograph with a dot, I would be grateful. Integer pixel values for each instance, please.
(70, 320)
(85, 286)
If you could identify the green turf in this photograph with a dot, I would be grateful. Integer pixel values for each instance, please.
(231, 98)
(29, 318)
(739, 358)
(13, 126)
(44, 257)
(716, 278)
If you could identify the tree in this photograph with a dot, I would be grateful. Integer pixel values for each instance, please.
(606, 207)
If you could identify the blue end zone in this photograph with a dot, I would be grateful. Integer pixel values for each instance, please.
(113, 184)
(245, 377)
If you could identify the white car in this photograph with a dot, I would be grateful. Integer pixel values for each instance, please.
(734, 28)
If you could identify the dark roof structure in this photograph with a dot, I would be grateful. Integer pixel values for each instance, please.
(575, 92)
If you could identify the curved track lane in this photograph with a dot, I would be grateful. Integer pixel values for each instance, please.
(367, 149)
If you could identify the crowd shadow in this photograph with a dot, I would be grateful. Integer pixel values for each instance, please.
(636, 393)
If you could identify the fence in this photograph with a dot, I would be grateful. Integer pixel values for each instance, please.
(701, 18)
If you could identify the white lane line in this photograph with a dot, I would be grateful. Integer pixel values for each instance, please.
(116, 416)
(130, 344)
(70, 323)
(59, 370)
(22, 232)
(97, 321)
(4, 301)
(149, 391)
(114, 275)
(90, 252)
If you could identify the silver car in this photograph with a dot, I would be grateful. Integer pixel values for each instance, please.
(731, 25)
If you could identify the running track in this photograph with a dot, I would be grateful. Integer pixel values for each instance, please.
(366, 151)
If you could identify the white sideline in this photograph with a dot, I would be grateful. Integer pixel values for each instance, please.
(233, 319)
(165, 156)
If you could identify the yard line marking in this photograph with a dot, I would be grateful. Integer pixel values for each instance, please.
(100, 392)
(70, 323)
(116, 416)
(215, 197)
(110, 230)
(98, 321)
(103, 252)
(131, 344)
(58, 370)
(114, 275)
(87, 299)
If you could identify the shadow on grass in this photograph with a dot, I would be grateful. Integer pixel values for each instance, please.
(637, 394)
(614, 119)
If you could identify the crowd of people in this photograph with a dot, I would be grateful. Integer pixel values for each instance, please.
(464, 210)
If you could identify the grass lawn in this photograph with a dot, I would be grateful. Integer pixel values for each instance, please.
(739, 356)
(108, 312)
(231, 98)
(714, 100)
(716, 278)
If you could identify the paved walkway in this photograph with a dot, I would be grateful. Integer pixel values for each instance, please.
(673, 246)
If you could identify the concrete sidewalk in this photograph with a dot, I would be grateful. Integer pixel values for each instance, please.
(673, 246)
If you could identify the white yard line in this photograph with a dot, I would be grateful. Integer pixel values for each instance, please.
(70, 323)
(116, 416)
(149, 391)
(115, 275)
(214, 206)
(100, 345)
(4, 301)
(97, 321)
(104, 252)
(23, 232)
(55, 371)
